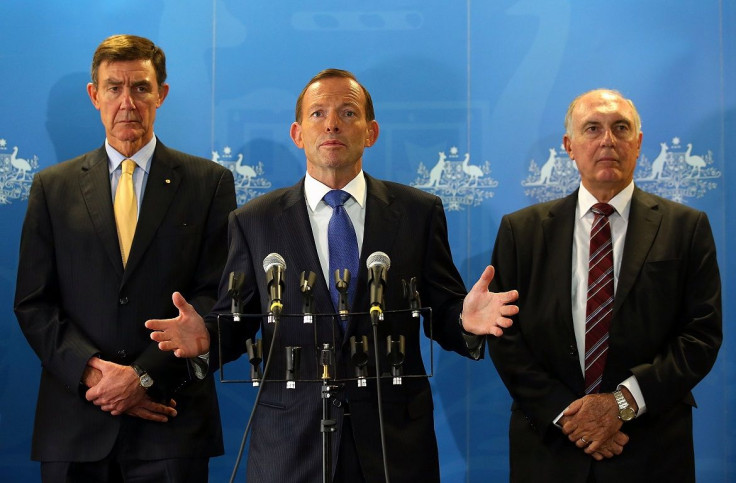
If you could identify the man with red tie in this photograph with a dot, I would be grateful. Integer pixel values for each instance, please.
(619, 315)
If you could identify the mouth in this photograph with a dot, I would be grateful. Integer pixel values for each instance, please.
(332, 143)
(128, 121)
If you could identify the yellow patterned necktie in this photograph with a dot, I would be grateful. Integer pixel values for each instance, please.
(126, 209)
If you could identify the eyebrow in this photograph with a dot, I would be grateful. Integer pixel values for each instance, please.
(625, 121)
(320, 105)
(117, 82)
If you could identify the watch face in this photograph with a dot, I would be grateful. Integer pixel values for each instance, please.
(146, 380)
(627, 414)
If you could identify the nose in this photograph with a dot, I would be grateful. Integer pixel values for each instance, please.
(126, 103)
(332, 122)
(608, 138)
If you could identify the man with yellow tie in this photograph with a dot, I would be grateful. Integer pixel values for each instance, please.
(108, 236)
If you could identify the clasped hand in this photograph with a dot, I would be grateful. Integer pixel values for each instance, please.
(592, 423)
(116, 389)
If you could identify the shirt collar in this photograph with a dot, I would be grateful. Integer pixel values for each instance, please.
(315, 190)
(621, 202)
(142, 158)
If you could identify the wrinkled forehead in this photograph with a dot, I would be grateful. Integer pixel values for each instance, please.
(334, 90)
(603, 106)
(127, 70)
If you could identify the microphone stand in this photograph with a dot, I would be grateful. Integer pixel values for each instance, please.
(342, 284)
(306, 285)
(328, 425)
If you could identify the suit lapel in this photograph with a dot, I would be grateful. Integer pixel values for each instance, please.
(381, 222)
(161, 187)
(94, 183)
(558, 230)
(644, 222)
(299, 239)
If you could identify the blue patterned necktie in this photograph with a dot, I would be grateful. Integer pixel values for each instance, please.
(342, 243)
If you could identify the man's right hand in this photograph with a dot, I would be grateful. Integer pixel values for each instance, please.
(101, 377)
(185, 335)
(153, 411)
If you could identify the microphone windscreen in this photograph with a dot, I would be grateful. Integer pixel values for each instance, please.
(378, 258)
(274, 259)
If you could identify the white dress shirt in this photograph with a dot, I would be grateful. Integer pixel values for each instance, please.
(320, 214)
(619, 222)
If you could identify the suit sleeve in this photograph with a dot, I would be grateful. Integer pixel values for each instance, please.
(691, 350)
(164, 367)
(445, 290)
(61, 346)
(227, 337)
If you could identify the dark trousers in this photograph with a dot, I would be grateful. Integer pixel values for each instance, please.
(348, 465)
(110, 470)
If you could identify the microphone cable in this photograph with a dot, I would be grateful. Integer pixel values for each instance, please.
(379, 397)
(272, 260)
(239, 457)
(376, 311)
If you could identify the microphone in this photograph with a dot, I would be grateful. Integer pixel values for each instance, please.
(341, 285)
(234, 286)
(274, 266)
(412, 294)
(378, 264)
(255, 356)
(359, 357)
(306, 285)
(293, 365)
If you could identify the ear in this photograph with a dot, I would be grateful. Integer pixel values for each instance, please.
(296, 134)
(163, 91)
(92, 93)
(568, 146)
(371, 133)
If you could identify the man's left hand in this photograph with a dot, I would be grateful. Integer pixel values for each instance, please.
(591, 421)
(485, 312)
(114, 388)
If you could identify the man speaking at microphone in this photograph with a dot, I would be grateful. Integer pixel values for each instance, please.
(335, 218)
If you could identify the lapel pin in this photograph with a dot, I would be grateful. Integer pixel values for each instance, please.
(168, 181)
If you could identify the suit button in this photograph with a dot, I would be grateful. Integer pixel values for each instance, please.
(123, 300)
(122, 354)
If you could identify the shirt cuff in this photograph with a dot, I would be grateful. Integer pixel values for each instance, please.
(633, 386)
(200, 365)
(473, 342)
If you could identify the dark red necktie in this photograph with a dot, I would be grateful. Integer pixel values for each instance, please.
(599, 308)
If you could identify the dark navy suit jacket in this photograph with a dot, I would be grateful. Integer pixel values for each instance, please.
(666, 331)
(74, 300)
(408, 225)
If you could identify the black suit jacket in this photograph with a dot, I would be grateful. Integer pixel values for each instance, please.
(74, 299)
(407, 224)
(666, 330)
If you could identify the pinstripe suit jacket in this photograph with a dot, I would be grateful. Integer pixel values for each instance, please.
(74, 299)
(407, 224)
(666, 330)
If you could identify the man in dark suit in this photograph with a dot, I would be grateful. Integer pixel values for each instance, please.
(632, 421)
(334, 124)
(105, 410)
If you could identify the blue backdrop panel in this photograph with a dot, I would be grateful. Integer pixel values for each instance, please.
(470, 97)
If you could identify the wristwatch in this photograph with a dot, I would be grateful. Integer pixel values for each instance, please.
(145, 379)
(625, 411)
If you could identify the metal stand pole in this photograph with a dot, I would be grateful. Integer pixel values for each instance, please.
(328, 425)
